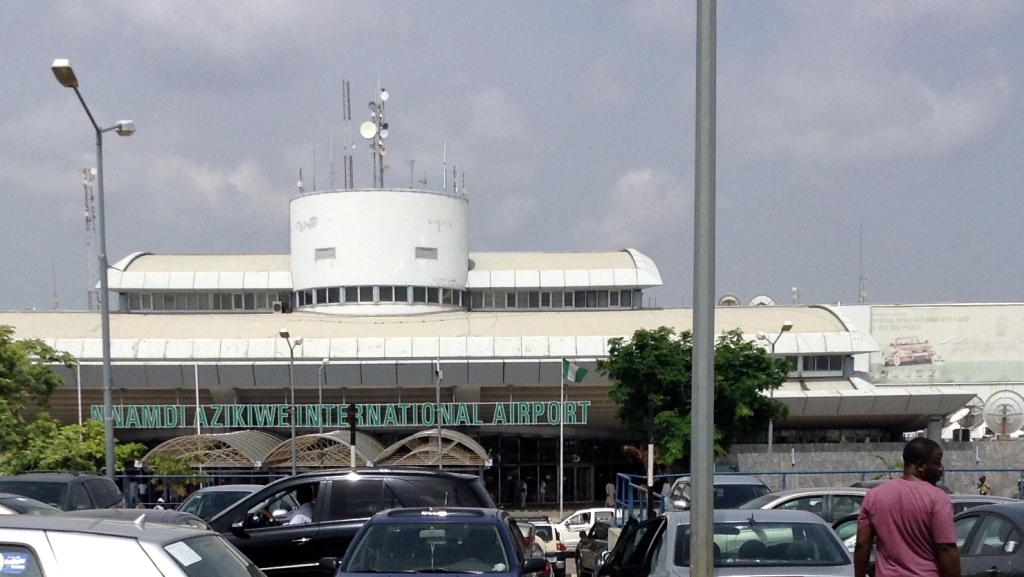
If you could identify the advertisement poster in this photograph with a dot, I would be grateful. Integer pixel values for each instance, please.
(948, 344)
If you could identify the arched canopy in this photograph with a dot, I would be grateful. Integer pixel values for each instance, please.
(325, 450)
(237, 449)
(420, 449)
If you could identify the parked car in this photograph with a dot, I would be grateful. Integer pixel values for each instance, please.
(590, 548)
(533, 548)
(876, 482)
(65, 491)
(165, 516)
(11, 504)
(59, 546)
(750, 542)
(731, 491)
(439, 540)
(829, 503)
(208, 501)
(581, 521)
(989, 538)
(846, 527)
(342, 501)
(549, 537)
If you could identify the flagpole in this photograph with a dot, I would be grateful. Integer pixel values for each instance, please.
(561, 439)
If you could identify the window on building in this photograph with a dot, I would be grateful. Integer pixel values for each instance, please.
(401, 294)
(522, 300)
(428, 253)
(203, 300)
(602, 299)
(580, 299)
(366, 294)
(613, 298)
(334, 295)
(321, 296)
(823, 363)
(545, 299)
(567, 301)
(351, 294)
(499, 300)
(627, 299)
(134, 302)
(476, 300)
(419, 294)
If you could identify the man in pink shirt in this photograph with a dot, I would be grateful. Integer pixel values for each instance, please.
(912, 520)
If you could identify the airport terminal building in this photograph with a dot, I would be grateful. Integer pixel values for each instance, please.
(382, 289)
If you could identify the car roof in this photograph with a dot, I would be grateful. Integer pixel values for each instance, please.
(961, 497)
(380, 472)
(150, 515)
(220, 488)
(159, 533)
(1014, 511)
(439, 514)
(47, 477)
(758, 515)
(817, 491)
(728, 480)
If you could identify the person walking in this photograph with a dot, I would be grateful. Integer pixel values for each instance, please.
(609, 494)
(911, 519)
(983, 488)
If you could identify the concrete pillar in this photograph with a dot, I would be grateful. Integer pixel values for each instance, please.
(935, 428)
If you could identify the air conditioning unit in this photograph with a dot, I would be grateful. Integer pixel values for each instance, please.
(278, 307)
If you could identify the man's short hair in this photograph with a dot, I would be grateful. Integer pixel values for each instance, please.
(919, 450)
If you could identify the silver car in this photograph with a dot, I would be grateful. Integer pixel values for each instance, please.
(746, 542)
(59, 546)
(829, 503)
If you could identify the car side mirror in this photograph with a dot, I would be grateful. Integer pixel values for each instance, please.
(238, 529)
(328, 565)
(681, 504)
(534, 565)
(279, 514)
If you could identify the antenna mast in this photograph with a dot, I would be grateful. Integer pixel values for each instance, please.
(92, 295)
(53, 275)
(863, 290)
(346, 105)
(376, 130)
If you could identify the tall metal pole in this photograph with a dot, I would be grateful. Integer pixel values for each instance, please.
(440, 448)
(291, 384)
(703, 386)
(561, 440)
(321, 376)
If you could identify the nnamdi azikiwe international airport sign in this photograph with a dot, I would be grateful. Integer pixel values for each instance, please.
(369, 415)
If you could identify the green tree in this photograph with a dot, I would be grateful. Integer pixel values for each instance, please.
(651, 374)
(51, 446)
(26, 383)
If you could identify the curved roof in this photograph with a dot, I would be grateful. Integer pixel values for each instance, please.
(325, 450)
(420, 449)
(246, 449)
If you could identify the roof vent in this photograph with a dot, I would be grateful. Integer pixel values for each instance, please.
(324, 254)
(426, 253)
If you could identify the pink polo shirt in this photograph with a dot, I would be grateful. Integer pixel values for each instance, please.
(909, 517)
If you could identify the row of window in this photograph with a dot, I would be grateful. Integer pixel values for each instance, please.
(381, 294)
(196, 301)
(590, 299)
(832, 363)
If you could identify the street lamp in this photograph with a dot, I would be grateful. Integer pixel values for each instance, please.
(786, 326)
(66, 76)
(321, 376)
(292, 343)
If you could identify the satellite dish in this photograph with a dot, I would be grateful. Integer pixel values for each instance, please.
(373, 107)
(1004, 412)
(368, 130)
(729, 300)
(973, 414)
(383, 151)
(762, 301)
(383, 132)
(384, 95)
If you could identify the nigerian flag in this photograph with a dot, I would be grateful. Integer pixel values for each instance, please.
(571, 372)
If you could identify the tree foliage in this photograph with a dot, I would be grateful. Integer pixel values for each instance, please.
(652, 372)
(50, 446)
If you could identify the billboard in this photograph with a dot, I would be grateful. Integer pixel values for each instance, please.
(948, 344)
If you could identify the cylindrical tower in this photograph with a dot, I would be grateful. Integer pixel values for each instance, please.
(379, 251)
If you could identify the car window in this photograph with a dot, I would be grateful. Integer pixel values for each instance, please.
(963, 530)
(681, 491)
(18, 560)
(440, 492)
(812, 504)
(449, 546)
(603, 515)
(843, 505)
(519, 544)
(732, 496)
(995, 536)
(847, 529)
(104, 493)
(274, 509)
(544, 532)
(49, 493)
(961, 506)
(764, 544)
(209, 503)
(357, 499)
(599, 531)
(79, 497)
(210, 556)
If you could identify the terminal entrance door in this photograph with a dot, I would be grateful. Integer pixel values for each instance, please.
(579, 483)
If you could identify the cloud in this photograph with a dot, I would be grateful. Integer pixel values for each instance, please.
(645, 206)
(672, 16)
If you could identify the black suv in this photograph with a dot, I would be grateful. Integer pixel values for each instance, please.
(268, 525)
(66, 491)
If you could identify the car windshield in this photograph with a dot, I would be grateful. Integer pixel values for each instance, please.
(209, 503)
(211, 556)
(49, 493)
(544, 532)
(732, 496)
(767, 544)
(27, 506)
(449, 547)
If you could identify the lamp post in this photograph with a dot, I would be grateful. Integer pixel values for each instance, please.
(322, 376)
(786, 326)
(66, 76)
(292, 343)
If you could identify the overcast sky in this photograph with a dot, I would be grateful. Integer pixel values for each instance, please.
(572, 121)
